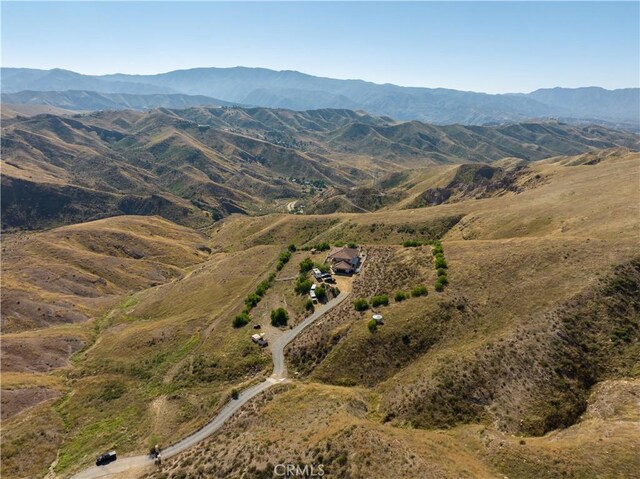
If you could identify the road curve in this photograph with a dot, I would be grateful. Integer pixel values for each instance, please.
(279, 375)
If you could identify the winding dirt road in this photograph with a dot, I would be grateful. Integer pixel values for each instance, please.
(278, 376)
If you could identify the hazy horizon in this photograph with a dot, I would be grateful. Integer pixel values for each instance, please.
(503, 47)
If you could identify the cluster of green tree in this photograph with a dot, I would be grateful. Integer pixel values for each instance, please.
(324, 246)
(440, 263)
(252, 300)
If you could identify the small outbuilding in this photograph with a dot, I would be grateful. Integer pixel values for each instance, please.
(378, 318)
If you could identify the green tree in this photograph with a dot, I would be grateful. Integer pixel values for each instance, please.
(235, 394)
(303, 285)
(252, 300)
(361, 304)
(419, 291)
(292, 248)
(400, 296)
(321, 293)
(372, 325)
(241, 320)
(379, 300)
(279, 317)
(306, 265)
(309, 305)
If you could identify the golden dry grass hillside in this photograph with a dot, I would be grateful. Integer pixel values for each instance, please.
(525, 365)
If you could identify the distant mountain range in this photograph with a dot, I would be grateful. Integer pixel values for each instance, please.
(93, 100)
(298, 91)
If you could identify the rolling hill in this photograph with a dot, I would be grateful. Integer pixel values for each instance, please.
(525, 365)
(194, 166)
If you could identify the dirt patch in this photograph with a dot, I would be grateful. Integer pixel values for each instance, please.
(38, 354)
(16, 400)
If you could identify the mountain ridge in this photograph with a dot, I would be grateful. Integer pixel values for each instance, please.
(300, 91)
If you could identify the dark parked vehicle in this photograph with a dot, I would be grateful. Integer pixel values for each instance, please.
(106, 458)
(327, 278)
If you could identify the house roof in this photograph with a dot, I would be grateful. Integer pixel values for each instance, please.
(342, 265)
(343, 253)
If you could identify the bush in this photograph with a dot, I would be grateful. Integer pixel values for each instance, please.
(382, 299)
(441, 272)
(303, 285)
(252, 300)
(361, 304)
(324, 267)
(309, 305)
(292, 248)
(352, 244)
(235, 394)
(279, 317)
(324, 246)
(306, 265)
(372, 325)
(440, 263)
(241, 320)
(112, 391)
(285, 256)
(262, 288)
(437, 248)
(441, 282)
(400, 296)
(321, 293)
(419, 291)
(279, 265)
(411, 243)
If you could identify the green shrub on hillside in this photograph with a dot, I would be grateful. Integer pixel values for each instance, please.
(441, 272)
(411, 243)
(440, 262)
(285, 256)
(324, 246)
(303, 285)
(321, 293)
(400, 296)
(324, 267)
(352, 244)
(252, 300)
(361, 304)
(419, 291)
(241, 320)
(379, 300)
(309, 305)
(372, 325)
(292, 248)
(279, 317)
(306, 265)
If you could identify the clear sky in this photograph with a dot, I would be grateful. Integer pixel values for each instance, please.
(491, 47)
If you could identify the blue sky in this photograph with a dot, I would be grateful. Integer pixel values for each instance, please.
(480, 46)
